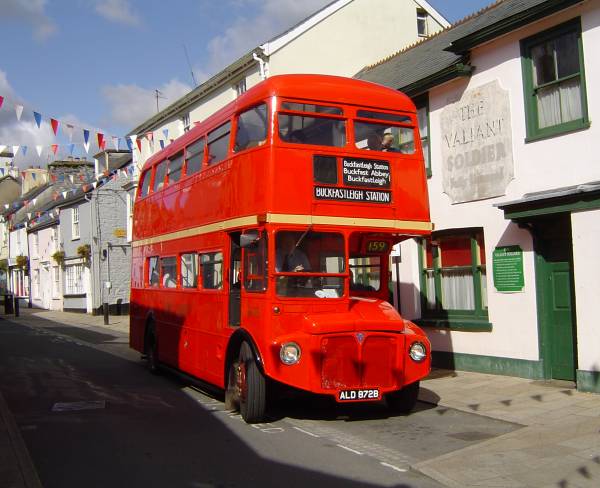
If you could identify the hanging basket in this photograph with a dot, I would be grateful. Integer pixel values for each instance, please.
(59, 257)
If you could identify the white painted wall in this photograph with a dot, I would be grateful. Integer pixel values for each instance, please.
(545, 164)
(586, 266)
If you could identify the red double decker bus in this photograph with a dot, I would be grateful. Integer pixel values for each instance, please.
(261, 243)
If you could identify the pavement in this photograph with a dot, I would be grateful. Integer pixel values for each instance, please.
(557, 443)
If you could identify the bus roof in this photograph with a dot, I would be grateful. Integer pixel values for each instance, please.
(321, 88)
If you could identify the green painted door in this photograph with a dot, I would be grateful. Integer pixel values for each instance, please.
(555, 281)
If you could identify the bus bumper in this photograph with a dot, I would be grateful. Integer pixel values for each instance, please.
(352, 366)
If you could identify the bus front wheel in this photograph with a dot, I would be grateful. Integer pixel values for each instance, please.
(404, 400)
(246, 386)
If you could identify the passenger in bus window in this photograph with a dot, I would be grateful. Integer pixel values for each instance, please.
(387, 143)
(289, 257)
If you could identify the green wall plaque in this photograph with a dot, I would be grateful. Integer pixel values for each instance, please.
(508, 269)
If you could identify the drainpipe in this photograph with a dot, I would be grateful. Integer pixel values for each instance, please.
(30, 303)
(263, 66)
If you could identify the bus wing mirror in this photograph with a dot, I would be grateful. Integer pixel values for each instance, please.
(249, 238)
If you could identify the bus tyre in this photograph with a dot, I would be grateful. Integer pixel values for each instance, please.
(404, 400)
(151, 350)
(252, 387)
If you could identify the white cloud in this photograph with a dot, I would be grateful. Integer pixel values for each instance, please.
(31, 12)
(270, 18)
(130, 105)
(119, 11)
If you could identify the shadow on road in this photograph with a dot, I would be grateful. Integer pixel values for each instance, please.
(149, 433)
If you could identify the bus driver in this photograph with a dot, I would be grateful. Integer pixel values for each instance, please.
(289, 257)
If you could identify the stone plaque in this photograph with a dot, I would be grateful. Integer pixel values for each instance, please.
(508, 269)
(477, 144)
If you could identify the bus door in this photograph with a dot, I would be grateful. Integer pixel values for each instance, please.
(235, 291)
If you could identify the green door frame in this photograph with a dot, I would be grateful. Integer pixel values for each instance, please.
(541, 274)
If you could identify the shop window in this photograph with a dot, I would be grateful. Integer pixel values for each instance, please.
(453, 275)
(74, 279)
(554, 82)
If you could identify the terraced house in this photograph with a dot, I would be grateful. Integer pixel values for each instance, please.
(507, 284)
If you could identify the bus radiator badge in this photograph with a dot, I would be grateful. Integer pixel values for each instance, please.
(360, 337)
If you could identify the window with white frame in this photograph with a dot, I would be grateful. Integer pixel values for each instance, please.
(55, 281)
(36, 244)
(75, 223)
(240, 87)
(422, 23)
(185, 122)
(55, 237)
(74, 279)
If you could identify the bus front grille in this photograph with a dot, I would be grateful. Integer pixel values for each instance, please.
(348, 363)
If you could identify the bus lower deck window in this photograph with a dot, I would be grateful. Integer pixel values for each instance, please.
(212, 270)
(189, 270)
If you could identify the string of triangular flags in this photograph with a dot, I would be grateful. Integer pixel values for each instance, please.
(69, 129)
(56, 195)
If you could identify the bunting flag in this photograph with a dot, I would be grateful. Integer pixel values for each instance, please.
(15, 150)
(19, 111)
(162, 144)
(54, 123)
(101, 142)
(86, 136)
(64, 194)
(116, 140)
(71, 148)
(2, 148)
(39, 150)
(1, 101)
(166, 133)
(69, 131)
(53, 177)
(150, 136)
(94, 184)
(24, 149)
(35, 199)
(86, 146)
(54, 148)
(2, 172)
(33, 176)
(139, 144)
(28, 215)
(72, 178)
(129, 142)
(38, 118)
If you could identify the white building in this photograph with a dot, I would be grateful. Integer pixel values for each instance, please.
(339, 39)
(509, 281)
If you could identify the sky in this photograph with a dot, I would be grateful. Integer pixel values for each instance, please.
(95, 64)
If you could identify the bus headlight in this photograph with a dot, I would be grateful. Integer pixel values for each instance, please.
(289, 353)
(417, 352)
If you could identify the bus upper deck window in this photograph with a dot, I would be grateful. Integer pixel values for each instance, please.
(194, 156)
(175, 167)
(251, 128)
(218, 143)
(373, 136)
(145, 183)
(159, 176)
(320, 131)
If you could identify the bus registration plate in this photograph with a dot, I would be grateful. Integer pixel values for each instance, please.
(358, 395)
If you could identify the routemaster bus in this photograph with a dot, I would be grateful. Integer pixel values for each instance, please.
(261, 244)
